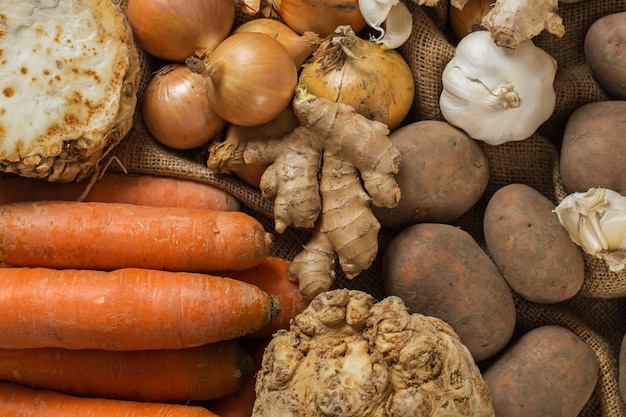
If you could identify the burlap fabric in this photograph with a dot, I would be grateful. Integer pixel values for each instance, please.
(597, 320)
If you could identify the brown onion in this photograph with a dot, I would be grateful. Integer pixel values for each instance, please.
(469, 18)
(299, 46)
(176, 109)
(251, 78)
(319, 16)
(376, 81)
(176, 29)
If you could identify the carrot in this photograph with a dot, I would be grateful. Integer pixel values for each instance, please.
(241, 403)
(106, 236)
(205, 372)
(126, 309)
(272, 276)
(20, 401)
(113, 187)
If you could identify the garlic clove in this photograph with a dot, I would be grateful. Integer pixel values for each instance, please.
(391, 18)
(398, 26)
(375, 11)
(596, 221)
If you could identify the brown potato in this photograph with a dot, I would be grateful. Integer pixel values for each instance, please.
(444, 173)
(549, 371)
(530, 246)
(605, 51)
(440, 270)
(593, 152)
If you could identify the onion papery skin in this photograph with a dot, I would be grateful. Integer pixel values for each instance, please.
(469, 18)
(299, 46)
(319, 16)
(251, 78)
(377, 82)
(176, 109)
(176, 29)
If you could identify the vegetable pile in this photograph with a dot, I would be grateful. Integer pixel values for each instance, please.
(153, 294)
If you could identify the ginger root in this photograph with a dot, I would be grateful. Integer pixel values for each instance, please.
(511, 22)
(345, 355)
(324, 175)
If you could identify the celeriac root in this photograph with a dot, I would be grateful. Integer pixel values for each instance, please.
(346, 355)
(356, 163)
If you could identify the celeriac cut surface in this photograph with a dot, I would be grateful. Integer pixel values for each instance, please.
(68, 83)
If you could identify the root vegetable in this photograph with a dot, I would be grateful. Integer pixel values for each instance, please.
(347, 355)
(605, 53)
(126, 309)
(377, 82)
(441, 271)
(113, 187)
(226, 156)
(176, 108)
(529, 245)
(20, 401)
(444, 173)
(512, 22)
(241, 403)
(199, 373)
(593, 149)
(548, 371)
(107, 236)
(349, 148)
(299, 46)
(70, 76)
(272, 276)
(250, 78)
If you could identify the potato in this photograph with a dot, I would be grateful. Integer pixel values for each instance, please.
(593, 152)
(440, 270)
(443, 174)
(549, 371)
(530, 246)
(605, 51)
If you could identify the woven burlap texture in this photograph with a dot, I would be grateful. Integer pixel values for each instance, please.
(597, 320)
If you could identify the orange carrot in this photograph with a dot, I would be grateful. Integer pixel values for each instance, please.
(272, 276)
(205, 372)
(113, 187)
(241, 403)
(20, 401)
(106, 236)
(126, 309)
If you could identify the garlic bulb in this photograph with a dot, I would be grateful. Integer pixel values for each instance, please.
(497, 94)
(596, 221)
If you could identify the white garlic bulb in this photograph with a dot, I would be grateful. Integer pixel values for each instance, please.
(498, 94)
(596, 221)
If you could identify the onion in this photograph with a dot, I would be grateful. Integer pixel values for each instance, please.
(376, 81)
(251, 78)
(319, 16)
(176, 29)
(469, 18)
(176, 108)
(299, 46)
